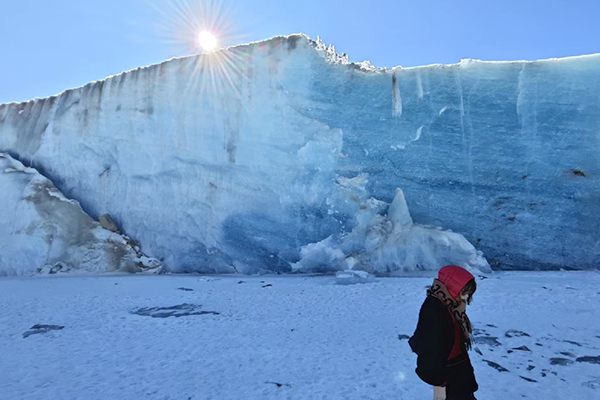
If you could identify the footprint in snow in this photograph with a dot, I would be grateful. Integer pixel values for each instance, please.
(515, 333)
(593, 384)
(589, 359)
(489, 340)
(482, 337)
(567, 353)
(560, 361)
(527, 379)
(496, 366)
(280, 384)
(36, 329)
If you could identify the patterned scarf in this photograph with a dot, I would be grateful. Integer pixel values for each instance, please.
(458, 309)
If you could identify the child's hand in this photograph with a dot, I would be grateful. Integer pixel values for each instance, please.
(439, 393)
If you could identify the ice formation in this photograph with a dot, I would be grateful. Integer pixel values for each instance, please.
(253, 169)
(42, 231)
(385, 244)
(352, 277)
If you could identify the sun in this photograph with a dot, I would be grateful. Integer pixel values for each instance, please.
(199, 29)
(207, 41)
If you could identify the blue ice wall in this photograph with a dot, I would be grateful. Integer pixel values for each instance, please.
(242, 174)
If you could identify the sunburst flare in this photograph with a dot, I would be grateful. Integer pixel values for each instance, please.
(205, 28)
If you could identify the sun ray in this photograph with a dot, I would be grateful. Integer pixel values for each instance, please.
(201, 27)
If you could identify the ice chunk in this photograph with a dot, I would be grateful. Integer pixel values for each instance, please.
(350, 277)
(322, 256)
(398, 212)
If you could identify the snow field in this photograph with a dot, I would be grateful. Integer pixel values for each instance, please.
(303, 337)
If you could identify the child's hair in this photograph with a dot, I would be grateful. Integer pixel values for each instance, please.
(469, 289)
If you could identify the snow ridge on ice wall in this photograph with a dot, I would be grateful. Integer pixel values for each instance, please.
(242, 180)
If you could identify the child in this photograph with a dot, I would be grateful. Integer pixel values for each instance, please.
(443, 336)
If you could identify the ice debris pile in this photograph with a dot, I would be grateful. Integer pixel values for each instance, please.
(384, 244)
(42, 231)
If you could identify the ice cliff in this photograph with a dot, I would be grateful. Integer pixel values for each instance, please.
(269, 155)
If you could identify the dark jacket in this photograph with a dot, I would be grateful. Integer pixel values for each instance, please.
(436, 335)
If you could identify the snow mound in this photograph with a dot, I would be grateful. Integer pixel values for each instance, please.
(44, 232)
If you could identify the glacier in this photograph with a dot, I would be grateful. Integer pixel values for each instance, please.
(292, 153)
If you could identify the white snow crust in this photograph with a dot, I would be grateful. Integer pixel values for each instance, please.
(313, 337)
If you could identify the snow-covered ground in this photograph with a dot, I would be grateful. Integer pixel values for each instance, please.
(286, 337)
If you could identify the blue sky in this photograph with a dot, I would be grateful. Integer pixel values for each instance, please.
(50, 46)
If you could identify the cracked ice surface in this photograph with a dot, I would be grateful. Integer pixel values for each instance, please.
(244, 179)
